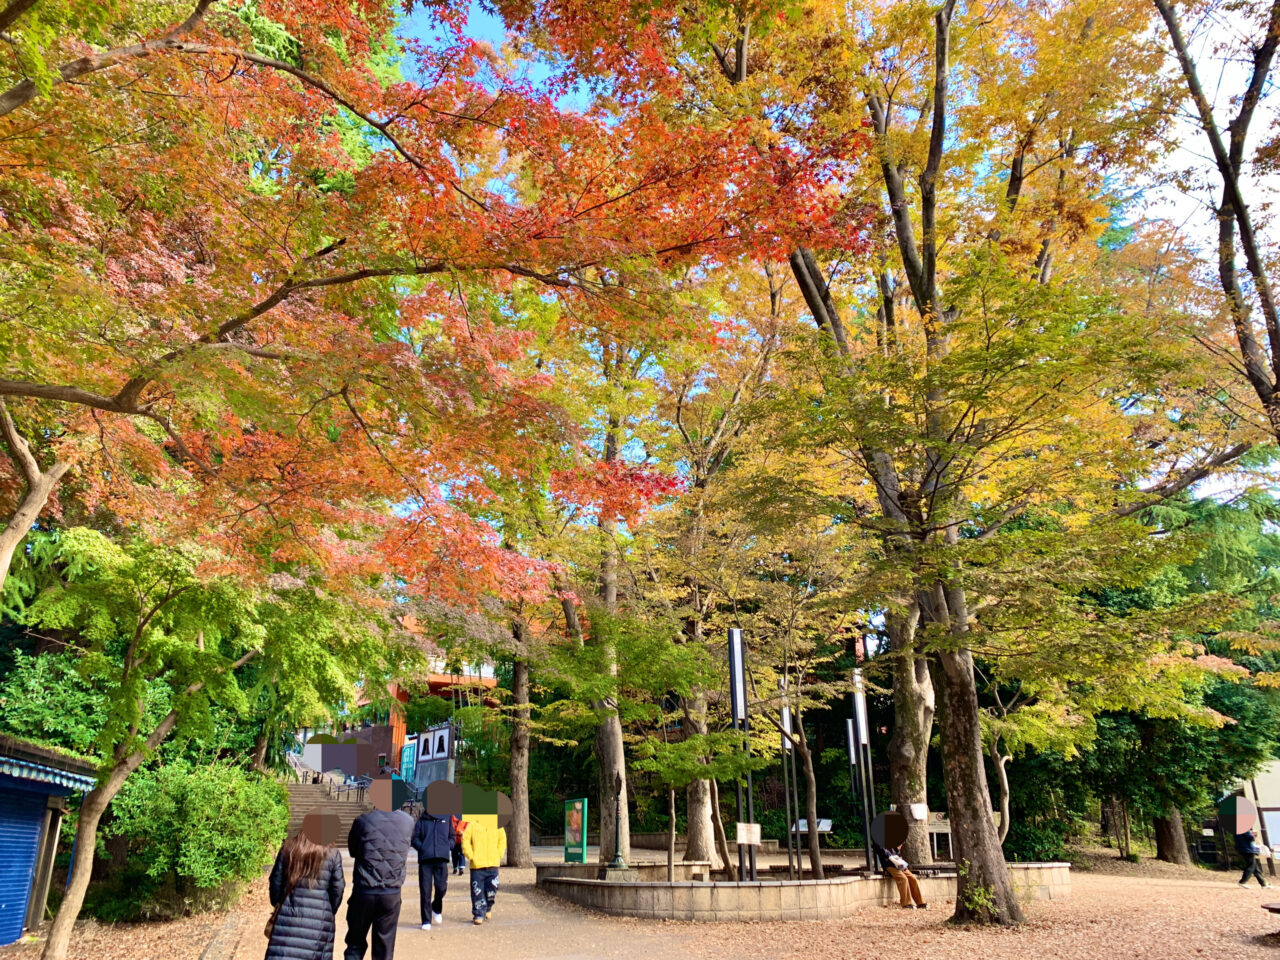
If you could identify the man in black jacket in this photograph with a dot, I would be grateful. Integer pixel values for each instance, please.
(379, 843)
(1247, 847)
(433, 839)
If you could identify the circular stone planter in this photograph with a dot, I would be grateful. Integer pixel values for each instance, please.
(777, 899)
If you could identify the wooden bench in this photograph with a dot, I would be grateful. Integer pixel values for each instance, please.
(1271, 907)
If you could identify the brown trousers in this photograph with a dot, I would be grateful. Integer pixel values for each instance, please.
(908, 887)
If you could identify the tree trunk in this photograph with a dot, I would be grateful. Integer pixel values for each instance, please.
(810, 804)
(700, 839)
(999, 762)
(984, 891)
(717, 822)
(611, 762)
(1128, 833)
(519, 852)
(92, 808)
(913, 708)
(671, 835)
(1171, 838)
(611, 757)
(259, 758)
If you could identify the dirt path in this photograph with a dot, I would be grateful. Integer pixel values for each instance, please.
(1198, 915)
(526, 925)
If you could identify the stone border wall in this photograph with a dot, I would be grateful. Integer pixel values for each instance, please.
(686, 871)
(780, 899)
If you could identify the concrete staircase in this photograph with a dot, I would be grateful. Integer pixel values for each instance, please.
(307, 798)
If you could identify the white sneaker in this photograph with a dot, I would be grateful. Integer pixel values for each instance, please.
(436, 918)
(427, 927)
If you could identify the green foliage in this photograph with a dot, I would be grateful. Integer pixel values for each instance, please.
(1036, 842)
(979, 898)
(484, 754)
(147, 633)
(195, 835)
(425, 711)
(48, 697)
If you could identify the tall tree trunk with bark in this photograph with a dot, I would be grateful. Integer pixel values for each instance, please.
(92, 808)
(671, 835)
(611, 759)
(700, 839)
(519, 850)
(717, 823)
(813, 838)
(913, 709)
(1000, 762)
(984, 891)
(610, 749)
(258, 761)
(1171, 838)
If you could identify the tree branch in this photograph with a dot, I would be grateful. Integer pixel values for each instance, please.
(1223, 158)
(10, 14)
(18, 447)
(1176, 484)
(22, 93)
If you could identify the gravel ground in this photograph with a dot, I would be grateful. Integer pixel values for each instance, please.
(1106, 916)
(179, 940)
(1192, 914)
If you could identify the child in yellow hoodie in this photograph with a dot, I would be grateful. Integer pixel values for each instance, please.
(484, 844)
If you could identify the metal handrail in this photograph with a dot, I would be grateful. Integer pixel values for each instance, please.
(343, 791)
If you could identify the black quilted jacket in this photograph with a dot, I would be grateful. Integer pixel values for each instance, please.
(304, 926)
(379, 843)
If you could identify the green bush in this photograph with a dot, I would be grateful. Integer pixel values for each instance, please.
(195, 836)
(1036, 842)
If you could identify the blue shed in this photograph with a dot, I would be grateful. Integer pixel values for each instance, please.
(34, 784)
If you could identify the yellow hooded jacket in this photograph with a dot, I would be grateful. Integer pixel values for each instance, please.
(484, 843)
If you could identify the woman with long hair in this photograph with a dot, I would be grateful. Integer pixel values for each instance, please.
(306, 888)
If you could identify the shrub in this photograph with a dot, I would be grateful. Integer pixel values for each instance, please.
(194, 835)
(1036, 842)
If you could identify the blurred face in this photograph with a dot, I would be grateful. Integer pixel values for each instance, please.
(380, 794)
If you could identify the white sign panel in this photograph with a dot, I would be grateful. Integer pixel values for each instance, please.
(436, 743)
(786, 715)
(749, 834)
(860, 708)
(737, 676)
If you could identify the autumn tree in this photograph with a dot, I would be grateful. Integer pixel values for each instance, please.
(1190, 29)
(155, 624)
(280, 287)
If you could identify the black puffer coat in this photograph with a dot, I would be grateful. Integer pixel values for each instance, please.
(433, 837)
(304, 927)
(379, 843)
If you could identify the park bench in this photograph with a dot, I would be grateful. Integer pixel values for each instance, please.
(1271, 907)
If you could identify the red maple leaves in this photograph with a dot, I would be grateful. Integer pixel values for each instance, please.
(617, 490)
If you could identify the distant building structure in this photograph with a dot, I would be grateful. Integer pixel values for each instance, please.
(35, 782)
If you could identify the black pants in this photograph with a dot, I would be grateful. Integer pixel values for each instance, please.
(456, 855)
(1252, 868)
(484, 890)
(381, 911)
(432, 873)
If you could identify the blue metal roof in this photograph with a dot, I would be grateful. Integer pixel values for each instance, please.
(40, 773)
